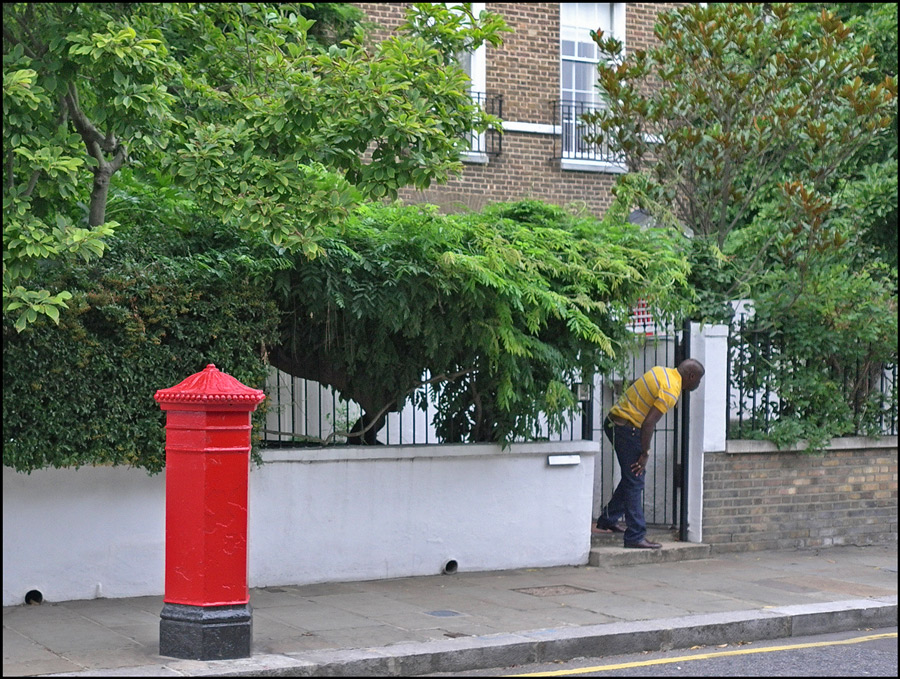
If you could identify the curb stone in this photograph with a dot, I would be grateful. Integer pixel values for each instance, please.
(544, 645)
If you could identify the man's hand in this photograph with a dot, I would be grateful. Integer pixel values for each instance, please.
(640, 466)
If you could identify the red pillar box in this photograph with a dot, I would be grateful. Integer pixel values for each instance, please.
(206, 612)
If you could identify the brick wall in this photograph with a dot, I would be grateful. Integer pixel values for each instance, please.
(386, 15)
(527, 168)
(525, 70)
(781, 500)
(640, 19)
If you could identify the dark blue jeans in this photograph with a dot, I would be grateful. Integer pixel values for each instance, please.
(628, 498)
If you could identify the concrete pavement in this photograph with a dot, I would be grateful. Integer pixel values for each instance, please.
(625, 601)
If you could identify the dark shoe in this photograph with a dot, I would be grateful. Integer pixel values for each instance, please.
(643, 544)
(615, 528)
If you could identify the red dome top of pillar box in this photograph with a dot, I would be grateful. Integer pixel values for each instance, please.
(210, 389)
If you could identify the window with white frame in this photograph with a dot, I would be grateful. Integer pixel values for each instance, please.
(474, 63)
(579, 56)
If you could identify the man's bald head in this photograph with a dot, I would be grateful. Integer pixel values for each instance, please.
(691, 371)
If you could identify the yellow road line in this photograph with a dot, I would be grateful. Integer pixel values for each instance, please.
(705, 656)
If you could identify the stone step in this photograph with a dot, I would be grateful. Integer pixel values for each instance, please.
(608, 550)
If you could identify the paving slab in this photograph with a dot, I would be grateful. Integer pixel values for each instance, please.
(470, 620)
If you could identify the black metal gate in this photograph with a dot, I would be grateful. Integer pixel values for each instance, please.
(665, 501)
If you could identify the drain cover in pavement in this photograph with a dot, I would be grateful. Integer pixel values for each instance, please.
(552, 590)
(442, 614)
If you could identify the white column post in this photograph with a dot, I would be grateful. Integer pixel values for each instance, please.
(709, 410)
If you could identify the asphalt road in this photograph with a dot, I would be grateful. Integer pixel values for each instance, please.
(863, 653)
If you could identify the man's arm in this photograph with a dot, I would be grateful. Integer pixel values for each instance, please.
(647, 428)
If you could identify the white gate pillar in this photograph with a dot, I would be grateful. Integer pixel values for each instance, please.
(709, 413)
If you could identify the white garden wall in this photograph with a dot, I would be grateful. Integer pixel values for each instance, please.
(315, 515)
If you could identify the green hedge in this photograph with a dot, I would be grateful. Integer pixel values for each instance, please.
(509, 306)
(157, 308)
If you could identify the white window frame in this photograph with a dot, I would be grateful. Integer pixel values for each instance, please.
(478, 83)
(617, 10)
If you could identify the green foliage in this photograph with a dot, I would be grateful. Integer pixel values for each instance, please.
(874, 177)
(745, 101)
(156, 309)
(501, 310)
(824, 361)
(269, 129)
(32, 233)
(713, 276)
(770, 131)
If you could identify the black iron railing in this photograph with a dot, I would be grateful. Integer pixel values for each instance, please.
(571, 144)
(758, 364)
(303, 412)
(489, 142)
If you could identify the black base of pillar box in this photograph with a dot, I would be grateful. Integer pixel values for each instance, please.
(205, 632)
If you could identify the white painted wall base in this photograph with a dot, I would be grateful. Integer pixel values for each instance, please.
(315, 515)
(83, 533)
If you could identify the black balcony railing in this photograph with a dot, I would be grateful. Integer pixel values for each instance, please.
(571, 144)
(489, 142)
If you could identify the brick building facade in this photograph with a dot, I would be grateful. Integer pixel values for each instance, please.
(525, 71)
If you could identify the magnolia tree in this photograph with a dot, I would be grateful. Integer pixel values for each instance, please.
(762, 128)
(736, 108)
(266, 127)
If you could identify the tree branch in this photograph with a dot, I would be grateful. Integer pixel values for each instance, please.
(96, 152)
(760, 178)
(32, 182)
(439, 378)
(63, 112)
(119, 160)
(8, 36)
(748, 271)
(89, 133)
(30, 49)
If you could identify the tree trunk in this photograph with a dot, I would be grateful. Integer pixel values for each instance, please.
(312, 366)
(99, 196)
(369, 437)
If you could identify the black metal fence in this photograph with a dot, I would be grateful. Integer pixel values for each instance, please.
(758, 364)
(571, 144)
(489, 142)
(303, 412)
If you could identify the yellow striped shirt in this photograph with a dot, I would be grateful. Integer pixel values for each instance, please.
(658, 388)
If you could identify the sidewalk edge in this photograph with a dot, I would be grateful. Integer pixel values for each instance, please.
(546, 645)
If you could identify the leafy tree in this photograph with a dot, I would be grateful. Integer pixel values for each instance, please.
(270, 130)
(871, 186)
(741, 105)
(770, 131)
(501, 310)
